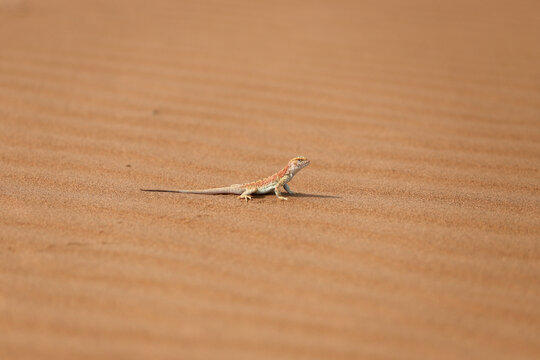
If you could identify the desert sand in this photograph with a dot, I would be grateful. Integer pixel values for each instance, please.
(416, 230)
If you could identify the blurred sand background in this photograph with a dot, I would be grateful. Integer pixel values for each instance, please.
(416, 231)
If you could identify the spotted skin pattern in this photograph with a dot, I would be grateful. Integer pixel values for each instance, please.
(263, 186)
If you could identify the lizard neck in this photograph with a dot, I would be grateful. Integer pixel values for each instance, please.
(283, 172)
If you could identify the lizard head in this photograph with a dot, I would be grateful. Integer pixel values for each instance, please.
(297, 163)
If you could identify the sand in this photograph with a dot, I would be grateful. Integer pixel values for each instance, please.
(415, 233)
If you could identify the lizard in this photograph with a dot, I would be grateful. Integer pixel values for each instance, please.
(263, 186)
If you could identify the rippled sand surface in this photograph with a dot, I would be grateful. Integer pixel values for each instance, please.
(416, 230)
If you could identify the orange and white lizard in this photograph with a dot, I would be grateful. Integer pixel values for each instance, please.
(263, 186)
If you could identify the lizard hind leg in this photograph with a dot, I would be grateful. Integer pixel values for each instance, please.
(247, 194)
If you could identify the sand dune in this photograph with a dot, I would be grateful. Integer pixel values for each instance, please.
(415, 233)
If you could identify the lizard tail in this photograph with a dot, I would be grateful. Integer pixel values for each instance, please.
(214, 191)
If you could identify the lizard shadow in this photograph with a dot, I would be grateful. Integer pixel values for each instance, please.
(306, 195)
(316, 196)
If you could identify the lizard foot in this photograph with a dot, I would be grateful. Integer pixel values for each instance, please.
(247, 197)
(282, 198)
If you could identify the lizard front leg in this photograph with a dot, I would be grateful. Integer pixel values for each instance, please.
(288, 189)
(246, 194)
(276, 189)
(278, 194)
